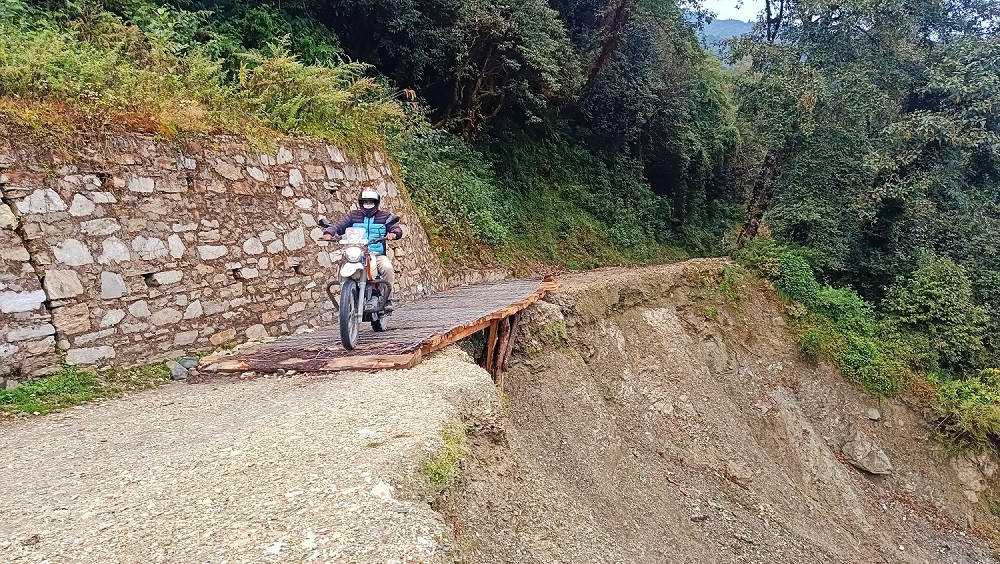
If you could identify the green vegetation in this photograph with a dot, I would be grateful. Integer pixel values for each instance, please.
(87, 67)
(442, 470)
(970, 408)
(873, 137)
(73, 386)
(497, 112)
(833, 323)
(928, 327)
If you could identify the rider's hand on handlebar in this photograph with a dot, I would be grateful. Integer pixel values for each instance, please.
(391, 236)
(327, 237)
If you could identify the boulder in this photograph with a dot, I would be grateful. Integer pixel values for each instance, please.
(7, 218)
(25, 333)
(114, 250)
(89, 355)
(72, 320)
(113, 286)
(43, 200)
(16, 302)
(211, 252)
(865, 454)
(72, 252)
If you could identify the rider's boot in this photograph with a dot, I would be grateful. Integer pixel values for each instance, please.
(389, 304)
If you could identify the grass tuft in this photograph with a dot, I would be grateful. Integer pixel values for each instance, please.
(72, 385)
(442, 470)
(970, 408)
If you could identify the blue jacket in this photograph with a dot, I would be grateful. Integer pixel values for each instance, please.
(372, 223)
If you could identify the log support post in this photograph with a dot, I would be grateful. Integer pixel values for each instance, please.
(499, 344)
(491, 346)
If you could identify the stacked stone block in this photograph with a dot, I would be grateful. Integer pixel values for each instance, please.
(148, 249)
(27, 342)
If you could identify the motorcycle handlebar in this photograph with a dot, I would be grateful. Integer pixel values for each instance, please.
(375, 241)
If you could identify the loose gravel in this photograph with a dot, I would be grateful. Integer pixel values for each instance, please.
(279, 469)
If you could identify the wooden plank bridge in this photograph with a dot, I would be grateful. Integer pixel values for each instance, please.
(416, 329)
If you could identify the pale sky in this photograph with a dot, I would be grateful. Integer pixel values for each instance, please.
(728, 10)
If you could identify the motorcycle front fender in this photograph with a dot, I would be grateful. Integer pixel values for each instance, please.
(351, 270)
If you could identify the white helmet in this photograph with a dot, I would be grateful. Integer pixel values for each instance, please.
(369, 195)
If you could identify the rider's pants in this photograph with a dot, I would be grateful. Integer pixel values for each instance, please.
(385, 271)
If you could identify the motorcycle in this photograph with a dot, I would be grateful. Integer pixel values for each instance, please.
(363, 295)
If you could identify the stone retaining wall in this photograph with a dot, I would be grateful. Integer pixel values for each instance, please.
(135, 249)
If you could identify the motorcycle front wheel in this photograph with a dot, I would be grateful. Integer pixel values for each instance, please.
(349, 318)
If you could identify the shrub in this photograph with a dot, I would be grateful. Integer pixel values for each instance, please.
(935, 302)
(454, 190)
(875, 361)
(796, 279)
(333, 101)
(970, 408)
(819, 339)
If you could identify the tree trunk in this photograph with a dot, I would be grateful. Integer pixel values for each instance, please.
(613, 22)
(760, 199)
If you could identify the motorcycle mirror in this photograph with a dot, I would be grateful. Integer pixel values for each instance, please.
(323, 222)
(392, 220)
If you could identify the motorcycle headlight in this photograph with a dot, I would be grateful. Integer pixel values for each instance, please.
(353, 254)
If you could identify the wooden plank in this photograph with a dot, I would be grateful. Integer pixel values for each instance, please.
(373, 362)
(235, 365)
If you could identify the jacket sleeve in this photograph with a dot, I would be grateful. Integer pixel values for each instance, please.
(341, 226)
(395, 228)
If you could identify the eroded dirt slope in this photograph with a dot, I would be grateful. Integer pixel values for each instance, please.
(640, 430)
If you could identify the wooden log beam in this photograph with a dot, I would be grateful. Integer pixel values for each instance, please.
(514, 320)
(491, 343)
(501, 347)
(506, 348)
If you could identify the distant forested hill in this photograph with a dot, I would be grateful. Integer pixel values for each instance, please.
(720, 30)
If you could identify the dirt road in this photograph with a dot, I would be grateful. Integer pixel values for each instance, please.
(279, 469)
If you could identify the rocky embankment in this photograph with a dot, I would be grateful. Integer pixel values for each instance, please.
(656, 418)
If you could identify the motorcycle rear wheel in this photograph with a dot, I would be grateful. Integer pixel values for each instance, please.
(349, 318)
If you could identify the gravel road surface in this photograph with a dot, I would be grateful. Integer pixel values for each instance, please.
(280, 469)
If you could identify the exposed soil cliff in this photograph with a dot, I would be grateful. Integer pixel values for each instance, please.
(653, 418)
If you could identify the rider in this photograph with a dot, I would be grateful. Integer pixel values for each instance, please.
(372, 220)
